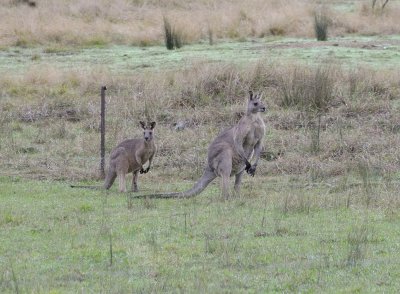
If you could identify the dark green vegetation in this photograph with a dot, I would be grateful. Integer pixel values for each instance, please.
(321, 24)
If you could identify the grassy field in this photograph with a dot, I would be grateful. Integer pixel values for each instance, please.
(278, 237)
(322, 212)
(378, 52)
(310, 221)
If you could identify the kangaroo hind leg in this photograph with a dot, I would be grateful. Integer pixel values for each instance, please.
(134, 181)
(238, 181)
(121, 182)
(224, 170)
(122, 170)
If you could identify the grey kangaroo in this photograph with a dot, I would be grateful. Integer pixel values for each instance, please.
(230, 152)
(130, 156)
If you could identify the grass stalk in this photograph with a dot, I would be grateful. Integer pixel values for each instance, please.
(14, 278)
(111, 247)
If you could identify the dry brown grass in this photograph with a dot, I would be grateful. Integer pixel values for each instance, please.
(141, 22)
(55, 134)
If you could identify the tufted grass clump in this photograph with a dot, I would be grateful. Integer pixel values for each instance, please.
(321, 24)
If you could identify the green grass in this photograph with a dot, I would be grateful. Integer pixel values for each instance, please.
(276, 238)
(125, 59)
(339, 234)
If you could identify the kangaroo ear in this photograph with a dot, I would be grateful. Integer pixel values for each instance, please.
(251, 94)
(142, 124)
(152, 125)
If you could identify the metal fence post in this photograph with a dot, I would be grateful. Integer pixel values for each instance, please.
(102, 130)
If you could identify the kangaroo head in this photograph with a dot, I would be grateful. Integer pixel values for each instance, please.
(148, 130)
(255, 104)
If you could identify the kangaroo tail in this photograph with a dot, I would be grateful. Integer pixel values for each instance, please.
(201, 184)
(110, 178)
(87, 187)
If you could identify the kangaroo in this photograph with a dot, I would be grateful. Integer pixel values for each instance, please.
(230, 152)
(130, 156)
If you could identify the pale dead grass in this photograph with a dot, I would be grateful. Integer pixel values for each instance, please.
(55, 133)
(140, 22)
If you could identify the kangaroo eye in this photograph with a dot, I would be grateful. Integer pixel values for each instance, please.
(255, 103)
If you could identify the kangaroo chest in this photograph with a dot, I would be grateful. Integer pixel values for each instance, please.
(146, 154)
(255, 134)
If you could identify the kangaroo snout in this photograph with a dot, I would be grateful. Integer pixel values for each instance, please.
(263, 109)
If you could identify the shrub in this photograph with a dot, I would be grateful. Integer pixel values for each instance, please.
(292, 87)
(178, 40)
(321, 23)
(210, 36)
(277, 31)
(173, 37)
(169, 38)
(306, 89)
(311, 91)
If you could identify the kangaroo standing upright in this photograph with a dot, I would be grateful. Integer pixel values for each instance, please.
(130, 156)
(230, 152)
